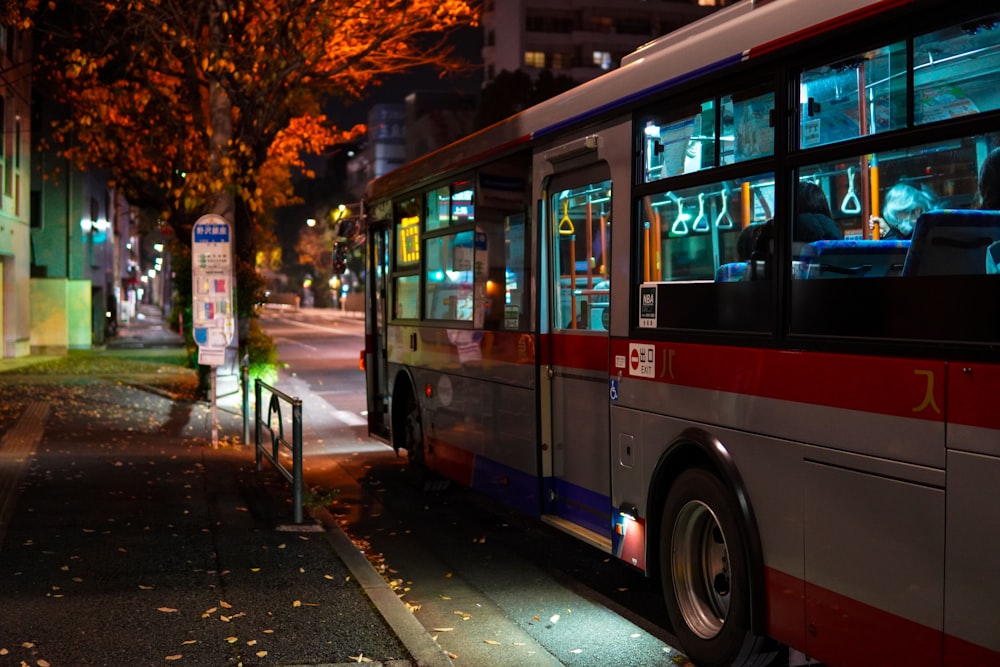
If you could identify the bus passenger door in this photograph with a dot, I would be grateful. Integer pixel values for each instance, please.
(578, 232)
(375, 340)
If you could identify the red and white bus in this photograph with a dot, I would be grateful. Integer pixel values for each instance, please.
(611, 311)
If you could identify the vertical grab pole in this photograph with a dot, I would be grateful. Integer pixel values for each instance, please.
(745, 204)
(646, 261)
(590, 244)
(572, 281)
(604, 247)
(647, 251)
(657, 245)
(876, 230)
(864, 120)
(297, 459)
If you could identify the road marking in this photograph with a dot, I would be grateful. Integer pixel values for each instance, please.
(319, 327)
(350, 418)
(292, 341)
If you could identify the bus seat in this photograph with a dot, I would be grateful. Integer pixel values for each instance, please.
(993, 258)
(732, 272)
(952, 242)
(851, 259)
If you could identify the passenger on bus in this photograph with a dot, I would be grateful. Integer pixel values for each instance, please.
(747, 241)
(989, 181)
(989, 199)
(813, 219)
(903, 205)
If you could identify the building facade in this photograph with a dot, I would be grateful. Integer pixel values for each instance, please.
(75, 260)
(580, 39)
(15, 193)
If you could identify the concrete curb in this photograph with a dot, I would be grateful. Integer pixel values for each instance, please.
(425, 651)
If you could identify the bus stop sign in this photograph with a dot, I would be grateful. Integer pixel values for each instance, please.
(212, 288)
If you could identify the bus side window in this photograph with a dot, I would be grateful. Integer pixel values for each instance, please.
(449, 277)
(854, 97)
(581, 233)
(900, 194)
(690, 234)
(951, 76)
(747, 129)
(680, 142)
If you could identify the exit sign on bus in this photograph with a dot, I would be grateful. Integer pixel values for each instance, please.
(641, 360)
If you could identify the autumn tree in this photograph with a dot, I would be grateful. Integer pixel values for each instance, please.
(17, 13)
(208, 106)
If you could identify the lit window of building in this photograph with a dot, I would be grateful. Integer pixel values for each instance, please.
(534, 59)
(602, 59)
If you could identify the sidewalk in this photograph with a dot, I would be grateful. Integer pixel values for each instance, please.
(126, 539)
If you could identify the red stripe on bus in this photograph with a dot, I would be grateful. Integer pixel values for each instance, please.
(973, 398)
(911, 388)
(830, 25)
(581, 351)
(785, 602)
(900, 387)
(436, 348)
(961, 653)
(844, 631)
(874, 636)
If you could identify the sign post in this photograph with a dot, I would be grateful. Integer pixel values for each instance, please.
(212, 305)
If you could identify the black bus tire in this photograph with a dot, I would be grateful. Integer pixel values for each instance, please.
(412, 439)
(705, 574)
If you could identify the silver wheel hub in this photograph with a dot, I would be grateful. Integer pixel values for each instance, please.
(700, 569)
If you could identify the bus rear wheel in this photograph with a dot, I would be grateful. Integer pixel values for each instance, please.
(705, 574)
(412, 439)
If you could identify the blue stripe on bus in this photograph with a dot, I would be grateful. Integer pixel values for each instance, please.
(510, 486)
(582, 506)
(639, 95)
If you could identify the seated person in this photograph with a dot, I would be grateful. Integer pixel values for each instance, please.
(903, 205)
(813, 219)
(754, 246)
(989, 182)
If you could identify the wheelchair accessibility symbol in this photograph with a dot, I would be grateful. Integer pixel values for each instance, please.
(613, 389)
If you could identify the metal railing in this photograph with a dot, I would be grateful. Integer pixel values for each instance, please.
(278, 440)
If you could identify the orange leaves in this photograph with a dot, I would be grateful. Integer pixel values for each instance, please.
(140, 78)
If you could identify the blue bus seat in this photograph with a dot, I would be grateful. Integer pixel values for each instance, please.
(993, 258)
(732, 272)
(951, 242)
(851, 259)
